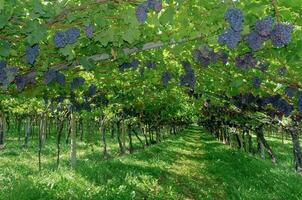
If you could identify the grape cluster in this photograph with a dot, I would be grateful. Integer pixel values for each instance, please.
(77, 82)
(143, 9)
(235, 18)
(155, 5)
(22, 81)
(91, 90)
(61, 39)
(281, 34)
(245, 61)
(54, 75)
(205, 56)
(7, 74)
(265, 26)
(166, 77)
(290, 92)
(283, 107)
(254, 40)
(32, 53)
(188, 79)
(89, 31)
(129, 65)
(263, 66)
(256, 81)
(150, 64)
(230, 38)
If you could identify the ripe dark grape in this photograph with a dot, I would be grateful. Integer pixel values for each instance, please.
(21, 82)
(32, 53)
(150, 64)
(142, 12)
(284, 107)
(50, 76)
(2, 64)
(126, 65)
(72, 35)
(290, 92)
(60, 78)
(188, 79)
(246, 61)
(265, 26)
(166, 77)
(187, 66)
(77, 82)
(281, 34)
(256, 82)
(155, 5)
(235, 18)
(60, 39)
(264, 66)
(91, 90)
(89, 31)
(254, 41)
(198, 57)
(230, 38)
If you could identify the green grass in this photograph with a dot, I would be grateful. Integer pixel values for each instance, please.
(189, 166)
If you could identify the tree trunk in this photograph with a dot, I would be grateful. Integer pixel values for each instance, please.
(130, 139)
(103, 134)
(27, 132)
(122, 149)
(73, 137)
(59, 134)
(263, 143)
(296, 150)
(2, 129)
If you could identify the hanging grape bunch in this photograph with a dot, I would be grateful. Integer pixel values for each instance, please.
(231, 36)
(166, 77)
(61, 39)
(143, 9)
(32, 53)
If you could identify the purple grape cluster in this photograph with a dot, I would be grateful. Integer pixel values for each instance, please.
(54, 75)
(166, 77)
(188, 79)
(281, 34)
(230, 38)
(91, 90)
(143, 9)
(150, 64)
(290, 92)
(61, 39)
(265, 26)
(254, 40)
(235, 18)
(77, 82)
(283, 107)
(245, 61)
(7, 74)
(129, 65)
(89, 31)
(32, 53)
(256, 82)
(23, 81)
(142, 12)
(155, 5)
(206, 55)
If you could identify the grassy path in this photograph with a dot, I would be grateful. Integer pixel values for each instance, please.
(190, 166)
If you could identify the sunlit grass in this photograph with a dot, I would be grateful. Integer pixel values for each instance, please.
(191, 165)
